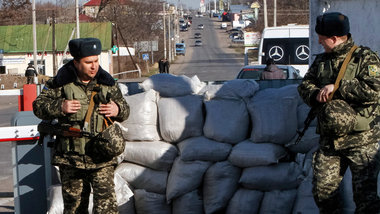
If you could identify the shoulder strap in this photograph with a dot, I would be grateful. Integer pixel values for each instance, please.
(342, 70)
(89, 111)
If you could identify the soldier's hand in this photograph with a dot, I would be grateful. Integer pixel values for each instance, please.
(324, 93)
(109, 110)
(70, 106)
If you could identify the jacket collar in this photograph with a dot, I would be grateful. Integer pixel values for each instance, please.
(68, 74)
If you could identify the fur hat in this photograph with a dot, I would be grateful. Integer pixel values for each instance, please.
(84, 47)
(332, 24)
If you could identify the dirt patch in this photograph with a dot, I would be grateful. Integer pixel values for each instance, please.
(8, 81)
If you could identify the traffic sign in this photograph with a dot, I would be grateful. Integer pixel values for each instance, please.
(145, 57)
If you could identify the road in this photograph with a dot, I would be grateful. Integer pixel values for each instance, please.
(214, 60)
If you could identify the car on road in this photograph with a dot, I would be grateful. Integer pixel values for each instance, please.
(183, 28)
(197, 35)
(198, 43)
(200, 26)
(180, 49)
(254, 72)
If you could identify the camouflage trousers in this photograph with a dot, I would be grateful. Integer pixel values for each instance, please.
(329, 169)
(76, 189)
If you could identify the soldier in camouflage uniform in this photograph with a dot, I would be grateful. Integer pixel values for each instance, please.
(66, 98)
(349, 135)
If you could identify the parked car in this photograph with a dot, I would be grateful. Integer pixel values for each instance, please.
(237, 40)
(200, 26)
(254, 72)
(198, 43)
(197, 35)
(180, 48)
(183, 28)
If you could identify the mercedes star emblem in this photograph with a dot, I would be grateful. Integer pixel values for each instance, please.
(276, 53)
(303, 52)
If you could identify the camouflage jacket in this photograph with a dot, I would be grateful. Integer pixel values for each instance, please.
(48, 106)
(360, 87)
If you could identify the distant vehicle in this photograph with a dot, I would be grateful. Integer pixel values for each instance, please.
(182, 23)
(180, 49)
(254, 72)
(223, 25)
(237, 40)
(287, 45)
(215, 14)
(183, 28)
(235, 35)
(198, 43)
(200, 26)
(197, 35)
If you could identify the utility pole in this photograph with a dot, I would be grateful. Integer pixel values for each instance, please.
(164, 21)
(170, 39)
(275, 14)
(77, 18)
(265, 14)
(53, 46)
(34, 34)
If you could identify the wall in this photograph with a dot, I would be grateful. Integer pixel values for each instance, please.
(363, 16)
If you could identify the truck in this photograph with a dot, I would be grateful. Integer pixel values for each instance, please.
(180, 49)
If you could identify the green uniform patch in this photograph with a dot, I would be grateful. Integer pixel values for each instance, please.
(373, 71)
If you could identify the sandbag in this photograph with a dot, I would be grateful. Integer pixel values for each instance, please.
(203, 149)
(143, 178)
(185, 177)
(248, 154)
(302, 112)
(157, 155)
(245, 201)
(232, 89)
(226, 120)
(219, 185)
(274, 119)
(282, 176)
(124, 196)
(304, 202)
(150, 203)
(142, 120)
(180, 117)
(277, 201)
(189, 203)
(308, 141)
(169, 85)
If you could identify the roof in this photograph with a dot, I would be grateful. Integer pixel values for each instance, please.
(19, 38)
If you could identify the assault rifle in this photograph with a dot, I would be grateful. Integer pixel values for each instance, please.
(310, 117)
(46, 128)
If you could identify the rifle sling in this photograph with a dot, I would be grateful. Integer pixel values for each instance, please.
(89, 112)
(342, 71)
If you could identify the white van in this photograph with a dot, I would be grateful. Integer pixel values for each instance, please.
(286, 45)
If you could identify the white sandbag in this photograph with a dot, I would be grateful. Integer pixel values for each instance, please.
(309, 140)
(226, 120)
(287, 175)
(142, 120)
(123, 88)
(143, 178)
(302, 112)
(189, 203)
(124, 196)
(219, 185)
(185, 177)
(277, 201)
(245, 201)
(248, 154)
(203, 149)
(157, 155)
(150, 203)
(232, 89)
(169, 85)
(274, 119)
(56, 200)
(180, 117)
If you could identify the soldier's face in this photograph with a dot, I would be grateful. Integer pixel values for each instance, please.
(328, 43)
(87, 67)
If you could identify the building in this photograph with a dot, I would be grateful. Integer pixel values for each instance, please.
(91, 8)
(16, 46)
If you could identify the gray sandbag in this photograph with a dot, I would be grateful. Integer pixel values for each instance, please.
(219, 185)
(309, 140)
(286, 175)
(248, 154)
(157, 155)
(189, 203)
(150, 203)
(226, 120)
(185, 177)
(232, 89)
(245, 201)
(169, 85)
(274, 119)
(277, 201)
(180, 117)
(143, 178)
(203, 149)
(124, 196)
(142, 120)
(302, 112)
(304, 202)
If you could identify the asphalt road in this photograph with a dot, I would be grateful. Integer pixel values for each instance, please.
(214, 60)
